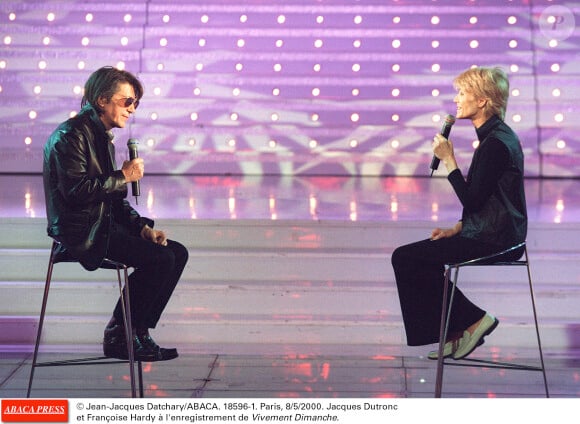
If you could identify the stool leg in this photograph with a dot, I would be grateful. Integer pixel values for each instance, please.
(536, 323)
(140, 368)
(126, 307)
(444, 326)
(41, 319)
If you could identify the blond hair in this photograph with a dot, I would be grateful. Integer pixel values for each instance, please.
(491, 84)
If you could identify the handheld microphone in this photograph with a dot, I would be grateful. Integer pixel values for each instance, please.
(445, 131)
(134, 154)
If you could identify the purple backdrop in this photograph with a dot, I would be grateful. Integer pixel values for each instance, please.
(296, 87)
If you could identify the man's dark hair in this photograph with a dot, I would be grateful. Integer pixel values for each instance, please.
(104, 82)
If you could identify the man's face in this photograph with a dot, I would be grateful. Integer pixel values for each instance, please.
(115, 112)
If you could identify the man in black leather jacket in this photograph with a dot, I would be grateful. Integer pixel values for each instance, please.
(89, 216)
(494, 218)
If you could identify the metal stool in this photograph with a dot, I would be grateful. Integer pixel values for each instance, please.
(56, 256)
(491, 260)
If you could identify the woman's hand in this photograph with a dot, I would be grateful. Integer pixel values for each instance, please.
(443, 149)
(439, 233)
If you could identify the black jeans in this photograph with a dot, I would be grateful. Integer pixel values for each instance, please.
(419, 272)
(157, 270)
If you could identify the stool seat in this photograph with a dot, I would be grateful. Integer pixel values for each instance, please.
(507, 257)
(58, 254)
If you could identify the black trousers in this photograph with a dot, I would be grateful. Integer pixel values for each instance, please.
(419, 272)
(157, 270)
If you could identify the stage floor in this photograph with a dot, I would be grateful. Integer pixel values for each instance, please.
(297, 198)
(213, 372)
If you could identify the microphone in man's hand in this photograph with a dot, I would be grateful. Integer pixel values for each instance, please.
(445, 131)
(132, 144)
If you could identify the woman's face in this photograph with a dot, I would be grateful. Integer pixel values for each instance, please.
(115, 112)
(470, 107)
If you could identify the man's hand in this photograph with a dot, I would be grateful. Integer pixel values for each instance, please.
(156, 236)
(133, 169)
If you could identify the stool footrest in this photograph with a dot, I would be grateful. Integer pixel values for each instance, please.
(482, 363)
(97, 360)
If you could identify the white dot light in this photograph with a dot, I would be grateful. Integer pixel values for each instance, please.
(166, 19)
(355, 117)
(277, 67)
(559, 117)
(124, 41)
(319, 19)
(7, 40)
(32, 114)
(163, 42)
(474, 44)
(281, 19)
(276, 91)
(279, 43)
(204, 19)
(28, 141)
(37, 89)
(316, 92)
(435, 20)
(396, 44)
(50, 17)
(193, 116)
(555, 67)
(556, 92)
(241, 43)
(127, 18)
(236, 92)
(85, 41)
(46, 40)
(358, 19)
(318, 43)
(42, 64)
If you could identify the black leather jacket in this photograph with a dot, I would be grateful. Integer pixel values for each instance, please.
(84, 192)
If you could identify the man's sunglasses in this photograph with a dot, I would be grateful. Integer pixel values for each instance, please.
(127, 102)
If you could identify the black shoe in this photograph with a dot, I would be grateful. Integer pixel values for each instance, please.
(115, 346)
(147, 341)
